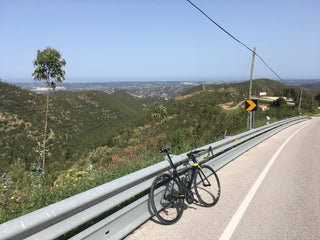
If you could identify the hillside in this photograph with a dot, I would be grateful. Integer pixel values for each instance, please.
(312, 87)
(95, 137)
(273, 88)
(77, 123)
(80, 122)
(237, 92)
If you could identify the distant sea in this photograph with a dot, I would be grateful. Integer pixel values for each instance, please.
(200, 79)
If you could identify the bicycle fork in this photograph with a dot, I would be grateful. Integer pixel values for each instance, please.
(204, 179)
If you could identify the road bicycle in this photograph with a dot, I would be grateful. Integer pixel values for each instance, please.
(168, 191)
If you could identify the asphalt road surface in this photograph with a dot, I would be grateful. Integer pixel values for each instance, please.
(270, 192)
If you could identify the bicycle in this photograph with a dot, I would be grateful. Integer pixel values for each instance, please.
(168, 191)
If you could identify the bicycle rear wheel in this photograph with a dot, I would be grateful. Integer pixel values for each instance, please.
(165, 203)
(207, 185)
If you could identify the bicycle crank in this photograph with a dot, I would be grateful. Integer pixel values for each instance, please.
(189, 197)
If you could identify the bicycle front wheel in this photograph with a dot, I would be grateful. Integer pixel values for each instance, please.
(207, 185)
(166, 200)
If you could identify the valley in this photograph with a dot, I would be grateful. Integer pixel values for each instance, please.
(95, 135)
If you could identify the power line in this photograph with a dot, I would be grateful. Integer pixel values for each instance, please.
(234, 38)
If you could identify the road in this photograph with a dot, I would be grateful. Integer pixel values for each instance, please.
(269, 192)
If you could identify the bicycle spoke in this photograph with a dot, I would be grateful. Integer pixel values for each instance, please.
(207, 186)
(166, 204)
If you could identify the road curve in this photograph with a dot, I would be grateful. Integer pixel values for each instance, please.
(269, 192)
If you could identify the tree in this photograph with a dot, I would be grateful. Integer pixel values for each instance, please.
(158, 111)
(317, 97)
(48, 66)
(278, 103)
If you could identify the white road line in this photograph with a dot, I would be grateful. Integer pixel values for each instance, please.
(228, 231)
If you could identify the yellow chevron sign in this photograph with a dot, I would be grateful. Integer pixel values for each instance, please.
(252, 105)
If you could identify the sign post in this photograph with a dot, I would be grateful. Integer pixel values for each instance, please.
(251, 106)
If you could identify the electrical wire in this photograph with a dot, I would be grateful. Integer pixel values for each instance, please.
(234, 38)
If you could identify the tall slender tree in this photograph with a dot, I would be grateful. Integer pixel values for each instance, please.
(48, 66)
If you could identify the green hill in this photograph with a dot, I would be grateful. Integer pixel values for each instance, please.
(273, 88)
(81, 122)
(239, 91)
(78, 123)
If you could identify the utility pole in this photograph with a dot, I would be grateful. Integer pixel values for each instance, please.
(252, 66)
(251, 114)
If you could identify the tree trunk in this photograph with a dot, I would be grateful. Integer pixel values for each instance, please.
(45, 127)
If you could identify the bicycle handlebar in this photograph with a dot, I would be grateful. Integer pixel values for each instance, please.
(192, 154)
(195, 152)
(162, 150)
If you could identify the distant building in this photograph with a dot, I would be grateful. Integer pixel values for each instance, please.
(263, 94)
(263, 107)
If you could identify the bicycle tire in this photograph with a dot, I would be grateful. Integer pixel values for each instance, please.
(207, 185)
(165, 205)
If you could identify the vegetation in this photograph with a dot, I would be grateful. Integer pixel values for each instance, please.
(78, 123)
(317, 97)
(95, 137)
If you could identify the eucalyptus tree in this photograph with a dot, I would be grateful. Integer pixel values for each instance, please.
(48, 68)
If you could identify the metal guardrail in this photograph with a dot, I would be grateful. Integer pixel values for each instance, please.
(57, 219)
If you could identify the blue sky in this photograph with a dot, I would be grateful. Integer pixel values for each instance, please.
(162, 39)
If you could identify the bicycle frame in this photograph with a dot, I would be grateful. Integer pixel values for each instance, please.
(195, 166)
(169, 192)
